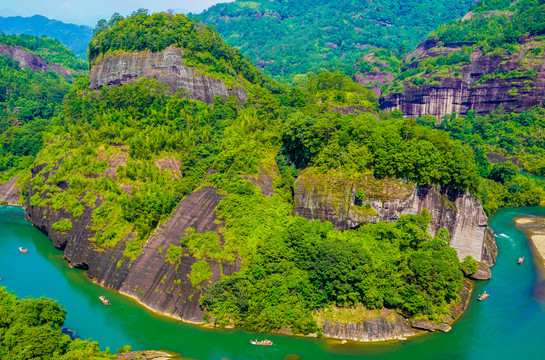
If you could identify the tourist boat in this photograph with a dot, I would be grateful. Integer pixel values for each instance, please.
(521, 260)
(104, 300)
(483, 296)
(261, 343)
(24, 251)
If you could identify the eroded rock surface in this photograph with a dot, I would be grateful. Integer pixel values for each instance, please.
(10, 193)
(151, 279)
(32, 61)
(515, 81)
(166, 67)
(333, 198)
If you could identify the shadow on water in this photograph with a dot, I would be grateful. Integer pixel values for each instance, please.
(511, 319)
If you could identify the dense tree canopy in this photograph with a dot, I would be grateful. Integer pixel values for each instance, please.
(31, 329)
(295, 37)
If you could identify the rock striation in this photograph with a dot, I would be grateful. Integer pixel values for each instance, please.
(329, 197)
(10, 194)
(516, 81)
(151, 279)
(28, 60)
(166, 67)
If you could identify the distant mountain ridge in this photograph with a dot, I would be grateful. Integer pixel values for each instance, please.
(287, 38)
(75, 37)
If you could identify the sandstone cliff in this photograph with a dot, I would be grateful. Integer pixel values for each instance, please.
(384, 324)
(165, 66)
(155, 282)
(27, 60)
(332, 197)
(10, 193)
(516, 81)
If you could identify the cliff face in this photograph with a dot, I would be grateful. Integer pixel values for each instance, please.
(516, 81)
(151, 279)
(165, 66)
(333, 198)
(385, 324)
(31, 61)
(10, 193)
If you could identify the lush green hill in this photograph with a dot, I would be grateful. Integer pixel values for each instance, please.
(75, 37)
(294, 37)
(29, 98)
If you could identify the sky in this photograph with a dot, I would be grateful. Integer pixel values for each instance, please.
(88, 12)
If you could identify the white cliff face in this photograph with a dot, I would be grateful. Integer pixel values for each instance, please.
(166, 67)
(333, 199)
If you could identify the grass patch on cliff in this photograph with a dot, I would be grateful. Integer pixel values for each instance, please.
(62, 225)
(200, 271)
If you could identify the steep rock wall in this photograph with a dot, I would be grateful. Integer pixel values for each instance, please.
(333, 198)
(467, 90)
(165, 66)
(150, 278)
(10, 193)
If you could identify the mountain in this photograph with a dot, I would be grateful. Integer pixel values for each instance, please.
(492, 56)
(172, 172)
(181, 175)
(75, 37)
(287, 38)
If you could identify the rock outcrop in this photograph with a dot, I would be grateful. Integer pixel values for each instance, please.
(151, 278)
(515, 81)
(333, 198)
(385, 324)
(10, 194)
(27, 60)
(166, 67)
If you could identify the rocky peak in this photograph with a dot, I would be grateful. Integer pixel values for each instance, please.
(166, 67)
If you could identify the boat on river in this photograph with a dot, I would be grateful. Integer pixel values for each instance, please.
(261, 343)
(24, 251)
(483, 296)
(521, 260)
(104, 300)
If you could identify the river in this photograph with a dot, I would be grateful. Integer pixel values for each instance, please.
(509, 324)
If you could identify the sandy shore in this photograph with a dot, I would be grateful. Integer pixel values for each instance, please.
(534, 228)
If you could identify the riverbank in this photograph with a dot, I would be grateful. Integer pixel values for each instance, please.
(534, 228)
(355, 324)
(43, 272)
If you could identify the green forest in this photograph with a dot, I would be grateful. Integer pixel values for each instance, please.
(31, 329)
(292, 267)
(290, 38)
(493, 32)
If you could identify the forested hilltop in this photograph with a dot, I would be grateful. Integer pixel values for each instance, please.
(287, 38)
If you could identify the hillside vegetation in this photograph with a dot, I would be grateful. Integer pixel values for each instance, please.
(288, 38)
(29, 99)
(497, 28)
(31, 329)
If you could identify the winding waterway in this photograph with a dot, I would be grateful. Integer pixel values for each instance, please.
(509, 324)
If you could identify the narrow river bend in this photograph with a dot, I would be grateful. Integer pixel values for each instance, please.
(509, 324)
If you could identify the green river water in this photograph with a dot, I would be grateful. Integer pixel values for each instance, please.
(509, 324)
